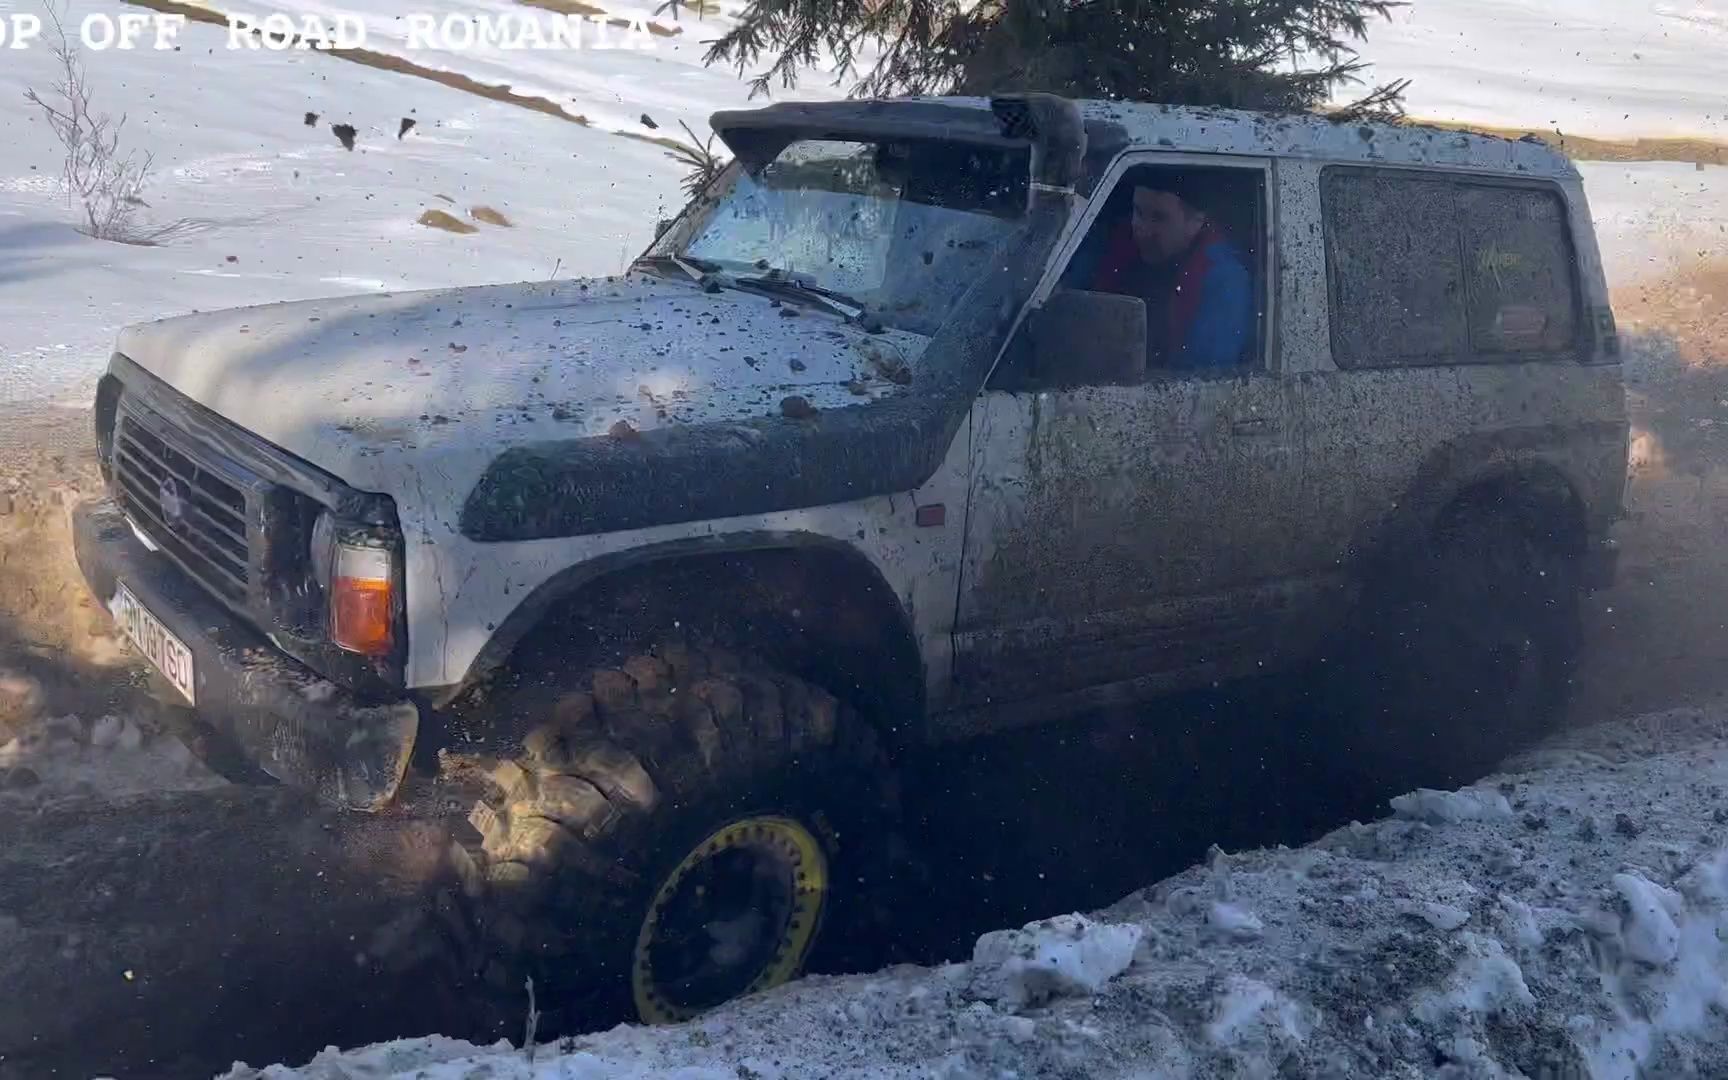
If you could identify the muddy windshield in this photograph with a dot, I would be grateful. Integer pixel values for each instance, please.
(901, 229)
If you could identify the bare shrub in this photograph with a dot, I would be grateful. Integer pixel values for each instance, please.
(701, 158)
(107, 183)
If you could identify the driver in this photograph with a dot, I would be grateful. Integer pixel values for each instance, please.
(1198, 293)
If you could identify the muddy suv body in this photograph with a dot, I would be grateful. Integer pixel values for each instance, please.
(930, 485)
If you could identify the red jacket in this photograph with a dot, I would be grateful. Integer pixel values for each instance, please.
(1210, 311)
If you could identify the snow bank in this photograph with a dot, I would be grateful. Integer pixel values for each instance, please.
(1564, 918)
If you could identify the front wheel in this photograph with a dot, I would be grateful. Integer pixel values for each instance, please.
(686, 829)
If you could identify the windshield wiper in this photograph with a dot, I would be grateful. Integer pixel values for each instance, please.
(832, 299)
(698, 269)
(712, 277)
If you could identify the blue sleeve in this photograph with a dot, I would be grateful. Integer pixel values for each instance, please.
(1219, 335)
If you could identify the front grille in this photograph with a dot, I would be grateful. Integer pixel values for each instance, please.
(192, 504)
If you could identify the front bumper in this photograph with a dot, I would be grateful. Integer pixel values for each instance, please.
(299, 728)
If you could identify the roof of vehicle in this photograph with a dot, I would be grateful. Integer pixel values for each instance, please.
(1197, 129)
(1308, 135)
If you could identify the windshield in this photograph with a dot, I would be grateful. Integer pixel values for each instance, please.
(902, 229)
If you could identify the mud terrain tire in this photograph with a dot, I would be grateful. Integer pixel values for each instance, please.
(1471, 656)
(617, 786)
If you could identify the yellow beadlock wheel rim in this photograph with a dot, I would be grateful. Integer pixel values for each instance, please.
(701, 909)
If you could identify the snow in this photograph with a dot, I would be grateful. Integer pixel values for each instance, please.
(1234, 920)
(1608, 68)
(240, 175)
(662, 76)
(1069, 954)
(1649, 933)
(1445, 807)
(1653, 218)
(1253, 1014)
(61, 758)
(1506, 930)
(1439, 916)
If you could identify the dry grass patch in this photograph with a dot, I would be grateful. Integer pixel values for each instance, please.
(438, 219)
(1690, 306)
(489, 216)
(1585, 148)
(47, 464)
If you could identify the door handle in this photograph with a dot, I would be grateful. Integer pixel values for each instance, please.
(1254, 425)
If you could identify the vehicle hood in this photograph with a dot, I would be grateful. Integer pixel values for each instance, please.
(363, 386)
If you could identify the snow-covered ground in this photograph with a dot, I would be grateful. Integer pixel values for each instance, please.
(260, 207)
(1565, 918)
(1607, 68)
(1656, 217)
(660, 74)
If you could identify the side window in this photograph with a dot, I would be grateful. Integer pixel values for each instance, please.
(1520, 270)
(1396, 272)
(1435, 270)
(1167, 279)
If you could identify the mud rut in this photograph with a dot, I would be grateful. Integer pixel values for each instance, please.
(155, 921)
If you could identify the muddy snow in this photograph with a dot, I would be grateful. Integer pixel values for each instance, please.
(1565, 917)
(65, 758)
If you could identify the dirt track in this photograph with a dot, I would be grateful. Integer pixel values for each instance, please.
(157, 922)
(1660, 636)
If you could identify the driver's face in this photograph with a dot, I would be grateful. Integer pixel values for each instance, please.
(1163, 224)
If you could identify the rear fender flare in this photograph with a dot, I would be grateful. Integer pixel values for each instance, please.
(1533, 462)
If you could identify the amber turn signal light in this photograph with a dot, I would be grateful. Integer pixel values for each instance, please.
(361, 601)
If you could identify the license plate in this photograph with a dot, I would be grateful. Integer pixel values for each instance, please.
(168, 653)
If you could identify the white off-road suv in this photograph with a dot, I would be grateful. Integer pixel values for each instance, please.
(887, 440)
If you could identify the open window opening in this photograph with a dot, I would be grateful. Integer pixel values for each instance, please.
(1168, 280)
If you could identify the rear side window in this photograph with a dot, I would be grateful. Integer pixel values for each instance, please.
(1396, 269)
(1438, 270)
(1519, 269)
